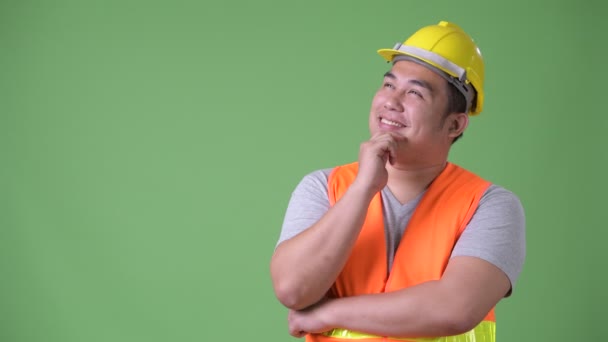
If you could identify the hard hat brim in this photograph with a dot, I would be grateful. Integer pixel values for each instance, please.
(389, 55)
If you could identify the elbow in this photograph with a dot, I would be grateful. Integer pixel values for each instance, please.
(288, 290)
(285, 288)
(460, 325)
(290, 296)
(456, 323)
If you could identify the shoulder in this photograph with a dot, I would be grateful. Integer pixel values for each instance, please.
(314, 180)
(494, 195)
(497, 197)
(500, 208)
(313, 186)
(319, 179)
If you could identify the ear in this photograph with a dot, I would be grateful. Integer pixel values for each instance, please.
(458, 122)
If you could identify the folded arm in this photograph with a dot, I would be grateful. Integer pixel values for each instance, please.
(468, 290)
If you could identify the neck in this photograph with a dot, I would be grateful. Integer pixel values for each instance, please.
(407, 183)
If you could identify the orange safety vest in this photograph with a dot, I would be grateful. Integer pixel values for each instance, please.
(424, 250)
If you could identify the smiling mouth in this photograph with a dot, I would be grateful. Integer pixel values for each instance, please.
(391, 123)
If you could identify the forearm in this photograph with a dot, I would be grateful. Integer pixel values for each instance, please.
(304, 267)
(469, 288)
(428, 309)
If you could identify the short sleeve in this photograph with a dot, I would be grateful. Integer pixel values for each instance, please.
(308, 203)
(496, 233)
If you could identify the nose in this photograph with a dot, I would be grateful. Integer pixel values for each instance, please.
(393, 102)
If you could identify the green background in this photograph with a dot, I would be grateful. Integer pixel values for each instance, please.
(148, 150)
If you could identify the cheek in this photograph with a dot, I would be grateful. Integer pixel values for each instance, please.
(426, 123)
(376, 107)
(379, 99)
(372, 123)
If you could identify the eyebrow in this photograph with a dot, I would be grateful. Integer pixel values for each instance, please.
(419, 83)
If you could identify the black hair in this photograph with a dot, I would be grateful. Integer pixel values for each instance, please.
(456, 104)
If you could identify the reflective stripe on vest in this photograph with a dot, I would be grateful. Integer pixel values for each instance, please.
(484, 332)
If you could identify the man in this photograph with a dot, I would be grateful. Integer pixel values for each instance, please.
(404, 244)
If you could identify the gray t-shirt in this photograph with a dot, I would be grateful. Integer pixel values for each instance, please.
(496, 232)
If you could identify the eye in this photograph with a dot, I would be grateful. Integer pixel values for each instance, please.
(388, 85)
(415, 92)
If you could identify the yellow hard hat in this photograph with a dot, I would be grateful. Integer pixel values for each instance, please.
(450, 51)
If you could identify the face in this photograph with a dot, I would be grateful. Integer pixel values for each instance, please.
(412, 102)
